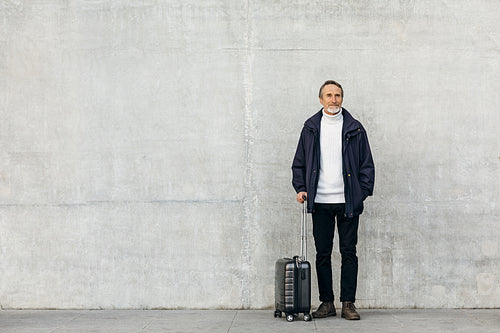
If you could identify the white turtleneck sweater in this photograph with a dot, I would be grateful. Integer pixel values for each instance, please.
(331, 181)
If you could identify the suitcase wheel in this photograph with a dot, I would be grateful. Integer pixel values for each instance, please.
(307, 317)
(277, 314)
(290, 317)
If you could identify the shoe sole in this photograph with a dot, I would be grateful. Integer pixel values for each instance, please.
(328, 315)
(355, 318)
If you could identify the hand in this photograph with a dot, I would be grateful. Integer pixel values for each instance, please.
(300, 196)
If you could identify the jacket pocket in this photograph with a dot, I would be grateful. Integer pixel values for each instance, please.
(357, 196)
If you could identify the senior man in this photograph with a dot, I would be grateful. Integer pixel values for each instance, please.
(333, 169)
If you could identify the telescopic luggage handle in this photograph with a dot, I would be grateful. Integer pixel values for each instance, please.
(303, 231)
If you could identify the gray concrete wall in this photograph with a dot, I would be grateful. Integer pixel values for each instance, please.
(145, 148)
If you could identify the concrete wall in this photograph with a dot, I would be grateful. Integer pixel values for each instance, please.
(145, 148)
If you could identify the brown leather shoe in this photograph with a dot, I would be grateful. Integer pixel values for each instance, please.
(326, 309)
(349, 311)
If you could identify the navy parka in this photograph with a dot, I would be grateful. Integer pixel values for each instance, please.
(358, 167)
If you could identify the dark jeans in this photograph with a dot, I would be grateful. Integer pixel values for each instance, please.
(323, 230)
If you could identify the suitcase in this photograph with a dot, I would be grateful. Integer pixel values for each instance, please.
(292, 284)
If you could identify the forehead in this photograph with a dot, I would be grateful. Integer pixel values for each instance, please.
(332, 89)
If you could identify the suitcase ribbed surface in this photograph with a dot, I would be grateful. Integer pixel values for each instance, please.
(289, 286)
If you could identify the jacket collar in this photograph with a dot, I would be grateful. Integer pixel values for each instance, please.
(314, 123)
(350, 124)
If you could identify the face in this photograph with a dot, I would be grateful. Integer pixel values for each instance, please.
(332, 98)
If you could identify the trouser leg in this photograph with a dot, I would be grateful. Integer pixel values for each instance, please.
(323, 231)
(348, 239)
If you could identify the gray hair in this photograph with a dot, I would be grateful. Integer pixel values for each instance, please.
(327, 83)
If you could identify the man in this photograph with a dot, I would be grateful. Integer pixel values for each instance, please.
(333, 170)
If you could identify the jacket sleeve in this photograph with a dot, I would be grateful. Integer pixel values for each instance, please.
(366, 167)
(299, 167)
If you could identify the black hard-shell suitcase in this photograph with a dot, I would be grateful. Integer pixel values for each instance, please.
(292, 284)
